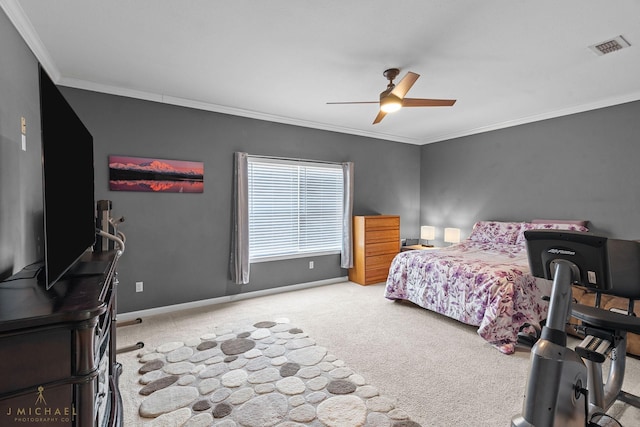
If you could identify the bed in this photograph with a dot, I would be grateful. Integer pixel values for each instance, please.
(483, 281)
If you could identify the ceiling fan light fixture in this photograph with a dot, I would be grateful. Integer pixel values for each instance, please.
(390, 104)
(394, 98)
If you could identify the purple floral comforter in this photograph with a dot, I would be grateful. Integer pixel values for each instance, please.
(481, 284)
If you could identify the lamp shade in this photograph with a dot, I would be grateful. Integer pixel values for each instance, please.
(452, 235)
(427, 232)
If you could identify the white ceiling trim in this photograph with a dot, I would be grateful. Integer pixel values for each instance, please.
(171, 100)
(539, 117)
(18, 17)
(182, 102)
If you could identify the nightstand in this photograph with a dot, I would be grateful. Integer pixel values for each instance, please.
(417, 248)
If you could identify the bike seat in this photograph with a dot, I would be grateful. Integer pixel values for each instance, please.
(599, 317)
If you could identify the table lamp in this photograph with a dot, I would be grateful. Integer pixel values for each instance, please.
(427, 232)
(452, 235)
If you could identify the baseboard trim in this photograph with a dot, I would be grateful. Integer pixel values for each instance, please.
(132, 315)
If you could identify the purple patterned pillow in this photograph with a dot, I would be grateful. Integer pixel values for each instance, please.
(495, 232)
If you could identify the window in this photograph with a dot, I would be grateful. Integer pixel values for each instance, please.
(295, 208)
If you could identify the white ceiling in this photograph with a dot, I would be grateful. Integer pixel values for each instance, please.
(507, 62)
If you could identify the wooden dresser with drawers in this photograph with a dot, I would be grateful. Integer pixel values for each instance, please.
(376, 241)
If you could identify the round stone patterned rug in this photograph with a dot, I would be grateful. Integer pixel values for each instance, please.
(267, 374)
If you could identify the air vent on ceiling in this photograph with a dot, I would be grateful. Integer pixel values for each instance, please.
(609, 46)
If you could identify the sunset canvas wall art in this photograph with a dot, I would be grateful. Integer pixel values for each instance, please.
(128, 173)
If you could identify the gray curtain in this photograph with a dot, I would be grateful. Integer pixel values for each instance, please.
(346, 253)
(240, 238)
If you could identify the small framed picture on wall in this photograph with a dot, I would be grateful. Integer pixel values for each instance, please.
(127, 173)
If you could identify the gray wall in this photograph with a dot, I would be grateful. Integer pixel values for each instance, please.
(582, 166)
(178, 244)
(20, 176)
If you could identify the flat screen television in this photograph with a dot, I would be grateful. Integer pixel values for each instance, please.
(68, 184)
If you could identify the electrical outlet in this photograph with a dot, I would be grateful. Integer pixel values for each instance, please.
(139, 286)
(310, 265)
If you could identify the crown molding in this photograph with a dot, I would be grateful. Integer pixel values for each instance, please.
(183, 102)
(24, 27)
(581, 108)
(199, 105)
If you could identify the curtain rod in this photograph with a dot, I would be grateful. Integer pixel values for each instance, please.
(292, 159)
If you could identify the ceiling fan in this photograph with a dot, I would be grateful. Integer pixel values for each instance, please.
(393, 97)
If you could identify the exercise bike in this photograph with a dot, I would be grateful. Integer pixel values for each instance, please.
(566, 386)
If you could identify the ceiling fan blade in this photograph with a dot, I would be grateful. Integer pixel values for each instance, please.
(418, 102)
(379, 117)
(355, 102)
(405, 84)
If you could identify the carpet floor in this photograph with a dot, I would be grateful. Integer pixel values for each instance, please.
(434, 371)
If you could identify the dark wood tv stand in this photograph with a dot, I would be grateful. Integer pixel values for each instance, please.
(57, 349)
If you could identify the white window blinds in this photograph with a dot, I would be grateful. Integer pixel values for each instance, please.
(295, 208)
